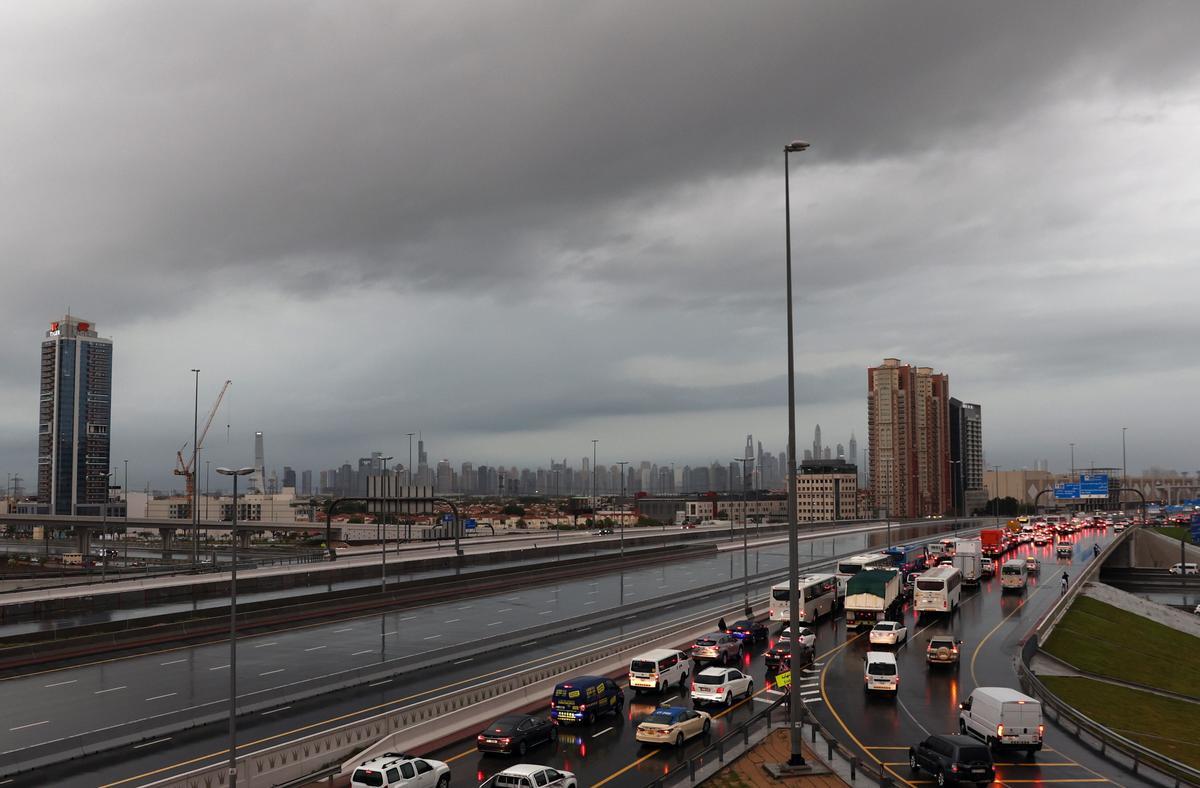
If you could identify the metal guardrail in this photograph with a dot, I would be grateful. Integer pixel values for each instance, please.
(1109, 744)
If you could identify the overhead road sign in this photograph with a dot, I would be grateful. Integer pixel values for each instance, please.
(1093, 485)
(1066, 491)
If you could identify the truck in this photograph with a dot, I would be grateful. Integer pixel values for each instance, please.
(967, 557)
(872, 595)
(907, 557)
(992, 540)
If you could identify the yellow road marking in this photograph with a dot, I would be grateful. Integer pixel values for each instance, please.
(1041, 587)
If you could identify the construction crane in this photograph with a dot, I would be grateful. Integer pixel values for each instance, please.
(184, 467)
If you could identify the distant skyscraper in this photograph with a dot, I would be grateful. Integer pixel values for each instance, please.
(841, 452)
(853, 458)
(74, 417)
(289, 476)
(306, 483)
(817, 445)
(908, 418)
(258, 479)
(808, 455)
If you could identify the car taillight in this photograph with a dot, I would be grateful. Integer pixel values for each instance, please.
(1041, 730)
(1000, 730)
(506, 741)
(954, 767)
(552, 704)
(480, 737)
(583, 707)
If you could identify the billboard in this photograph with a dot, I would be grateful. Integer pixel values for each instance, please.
(1093, 485)
(1066, 491)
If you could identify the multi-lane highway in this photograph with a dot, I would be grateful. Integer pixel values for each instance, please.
(46, 706)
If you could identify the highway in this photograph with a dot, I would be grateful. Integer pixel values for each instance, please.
(48, 705)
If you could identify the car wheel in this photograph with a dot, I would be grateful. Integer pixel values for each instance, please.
(707, 725)
(522, 748)
(749, 689)
(679, 739)
(662, 687)
(728, 699)
(912, 763)
(443, 781)
(962, 727)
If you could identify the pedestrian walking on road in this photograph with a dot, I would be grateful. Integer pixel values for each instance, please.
(1065, 580)
(1095, 549)
(721, 624)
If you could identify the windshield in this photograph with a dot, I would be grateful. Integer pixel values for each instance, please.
(1011, 570)
(881, 669)
(779, 594)
(931, 585)
(642, 666)
(366, 777)
(702, 679)
(886, 626)
(660, 718)
(849, 569)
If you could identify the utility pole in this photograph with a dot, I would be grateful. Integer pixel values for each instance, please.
(621, 505)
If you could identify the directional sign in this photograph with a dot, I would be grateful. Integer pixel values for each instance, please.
(783, 679)
(470, 524)
(1093, 485)
(1196, 528)
(1067, 490)
(447, 518)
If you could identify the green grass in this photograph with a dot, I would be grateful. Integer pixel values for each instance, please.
(1111, 642)
(1176, 532)
(1164, 725)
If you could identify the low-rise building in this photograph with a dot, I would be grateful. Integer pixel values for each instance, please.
(827, 490)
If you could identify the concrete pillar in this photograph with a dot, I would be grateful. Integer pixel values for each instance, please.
(166, 534)
(244, 539)
(83, 539)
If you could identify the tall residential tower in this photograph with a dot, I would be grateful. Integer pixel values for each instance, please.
(74, 419)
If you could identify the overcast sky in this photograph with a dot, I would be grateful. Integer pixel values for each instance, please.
(517, 227)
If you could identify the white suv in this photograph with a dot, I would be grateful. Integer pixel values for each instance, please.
(880, 672)
(721, 685)
(395, 770)
(530, 775)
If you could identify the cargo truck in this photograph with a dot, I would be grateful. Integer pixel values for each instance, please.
(872, 595)
(967, 557)
(908, 557)
(992, 540)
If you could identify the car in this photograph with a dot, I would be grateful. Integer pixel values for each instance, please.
(807, 636)
(721, 685)
(1041, 539)
(1063, 550)
(717, 647)
(1032, 565)
(687, 526)
(748, 629)
(987, 567)
(1118, 528)
(779, 656)
(880, 672)
(531, 775)
(891, 633)
(584, 698)
(942, 650)
(952, 759)
(516, 733)
(1002, 717)
(672, 725)
(397, 770)
(605, 532)
(1184, 569)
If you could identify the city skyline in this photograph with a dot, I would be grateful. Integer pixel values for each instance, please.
(1019, 219)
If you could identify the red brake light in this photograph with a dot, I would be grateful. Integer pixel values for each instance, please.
(1000, 729)
(1041, 731)
(583, 707)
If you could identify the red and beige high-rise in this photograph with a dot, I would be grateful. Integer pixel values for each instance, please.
(909, 432)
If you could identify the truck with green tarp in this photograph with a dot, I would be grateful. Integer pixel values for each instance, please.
(872, 595)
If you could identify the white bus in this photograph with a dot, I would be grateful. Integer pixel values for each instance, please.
(1013, 575)
(938, 590)
(818, 596)
(848, 567)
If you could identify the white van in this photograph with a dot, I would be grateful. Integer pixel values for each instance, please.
(1013, 575)
(1002, 717)
(880, 672)
(659, 669)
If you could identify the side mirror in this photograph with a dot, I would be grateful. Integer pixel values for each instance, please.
(962, 707)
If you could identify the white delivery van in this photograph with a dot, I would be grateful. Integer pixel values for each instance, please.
(658, 669)
(881, 673)
(1013, 575)
(1002, 717)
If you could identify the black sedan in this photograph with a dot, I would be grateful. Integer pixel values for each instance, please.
(516, 733)
(755, 631)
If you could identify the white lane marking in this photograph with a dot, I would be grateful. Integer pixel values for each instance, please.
(61, 683)
(172, 662)
(30, 725)
(594, 591)
(271, 672)
(590, 603)
(583, 629)
(110, 689)
(385, 634)
(545, 612)
(432, 637)
(668, 700)
(160, 697)
(314, 648)
(264, 645)
(465, 607)
(495, 623)
(630, 618)
(817, 699)
(380, 683)
(281, 708)
(452, 621)
(219, 667)
(601, 733)
(344, 629)
(810, 684)
(504, 610)
(806, 695)
(150, 743)
(763, 700)
(360, 653)
(512, 598)
(773, 692)
(464, 661)
(408, 618)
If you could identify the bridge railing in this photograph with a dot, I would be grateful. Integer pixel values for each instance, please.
(1139, 759)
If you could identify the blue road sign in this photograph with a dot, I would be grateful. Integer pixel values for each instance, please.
(1093, 485)
(470, 525)
(1196, 528)
(1066, 491)
(447, 518)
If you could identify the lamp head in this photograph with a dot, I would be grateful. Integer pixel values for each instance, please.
(795, 146)
(235, 471)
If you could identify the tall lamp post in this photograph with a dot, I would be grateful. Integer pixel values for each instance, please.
(106, 476)
(745, 539)
(195, 501)
(382, 516)
(621, 505)
(595, 518)
(796, 701)
(408, 470)
(235, 473)
(1124, 469)
(996, 496)
(125, 495)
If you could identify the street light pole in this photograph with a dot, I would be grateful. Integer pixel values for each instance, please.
(745, 540)
(126, 495)
(408, 471)
(195, 502)
(383, 539)
(1124, 468)
(1072, 460)
(595, 518)
(235, 473)
(106, 476)
(796, 701)
(621, 504)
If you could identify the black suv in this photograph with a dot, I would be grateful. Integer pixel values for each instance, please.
(952, 759)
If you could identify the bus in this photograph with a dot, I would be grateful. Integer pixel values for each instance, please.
(938, 590)
(818, 595)
(856, 563)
